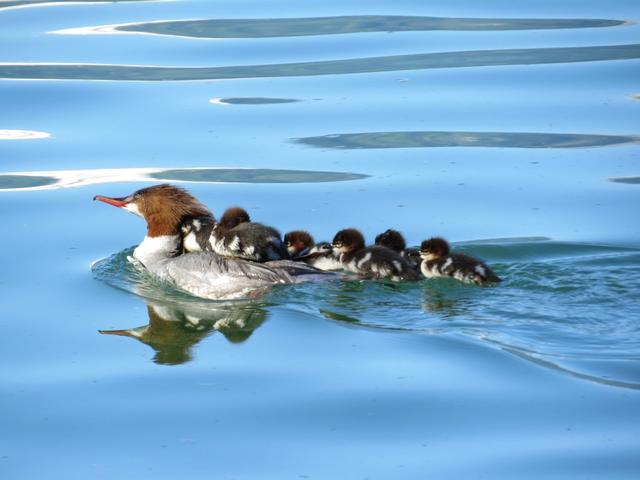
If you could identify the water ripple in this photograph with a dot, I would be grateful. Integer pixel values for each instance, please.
(421, 61)
(251, 101)
(628, 180)
(294, 27)
(78, 178)
(463, 139)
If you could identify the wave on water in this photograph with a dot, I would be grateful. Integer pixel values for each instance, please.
(79, 178)
(425, 139)
(567, 306)
(392, 63)
(339, 25)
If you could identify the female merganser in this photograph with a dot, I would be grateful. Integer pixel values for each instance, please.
(437, 261)
(235, 235)
(371, 262)
(205, 274)
(301, 247)
(394, 240)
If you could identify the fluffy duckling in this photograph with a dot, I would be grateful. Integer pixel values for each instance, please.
(438, 261)
(301, 246)
(394, 240)
(298, 243)
(371, 262)
(235, 235)
(232, 217)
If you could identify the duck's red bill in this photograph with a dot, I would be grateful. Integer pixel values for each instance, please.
(116, 202)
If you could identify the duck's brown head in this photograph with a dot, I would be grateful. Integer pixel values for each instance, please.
(434, 248)
(348, 240)
(164, 207)
(392, 239)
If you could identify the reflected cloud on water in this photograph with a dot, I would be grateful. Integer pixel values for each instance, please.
(294, 27)
(173, 330)
(78, 178)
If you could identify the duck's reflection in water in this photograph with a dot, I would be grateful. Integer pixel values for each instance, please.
(174, 329)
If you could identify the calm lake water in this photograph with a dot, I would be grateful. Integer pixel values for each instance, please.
(510, 128)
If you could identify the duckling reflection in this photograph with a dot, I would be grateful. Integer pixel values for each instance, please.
(173, 330)
(444, 305)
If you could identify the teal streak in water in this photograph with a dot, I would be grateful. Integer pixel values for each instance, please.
(628, 180)
(463, 139)
(77, 178)
(291, 27)
(254, 100)
(8, 181)
(254, 175)
(421, 61)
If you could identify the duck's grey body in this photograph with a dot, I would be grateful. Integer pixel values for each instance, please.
(209, 275)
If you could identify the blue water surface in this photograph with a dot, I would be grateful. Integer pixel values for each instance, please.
(510, 128)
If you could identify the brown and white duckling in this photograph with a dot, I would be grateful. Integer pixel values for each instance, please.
(301, 247)
(438, 261)
(371, 262)
(235, 235)
(394, 240)
(165, 208)
(298, 243)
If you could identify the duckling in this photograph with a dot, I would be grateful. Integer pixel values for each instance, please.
(298, 243)
(235, 235)
(232, 217)
(301, 246)
(371, 262)
(438, 261)
(394, 240)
